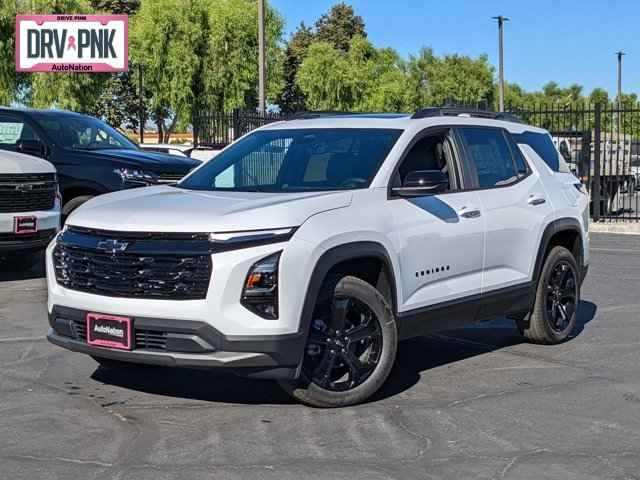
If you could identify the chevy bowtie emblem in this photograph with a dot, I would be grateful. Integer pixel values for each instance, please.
(112, 246)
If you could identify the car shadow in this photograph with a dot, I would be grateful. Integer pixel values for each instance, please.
(184, 383)
(421, 354)
(10, 273)
(414, 357)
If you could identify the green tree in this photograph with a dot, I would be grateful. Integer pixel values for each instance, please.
(599, 95)
(203, 53)
(10, 81)
(323, 77)
(125, 7)
(453, 78)
(292, 99)
(118, 101)
(230, 68)
(361, 79)
(340, 26)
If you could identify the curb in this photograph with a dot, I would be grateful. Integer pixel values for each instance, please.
(628, 228)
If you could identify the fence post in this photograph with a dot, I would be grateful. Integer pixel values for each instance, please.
(596, 160)
(235, 121)
(194, 123)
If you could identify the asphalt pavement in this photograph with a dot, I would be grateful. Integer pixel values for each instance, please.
(476, 403)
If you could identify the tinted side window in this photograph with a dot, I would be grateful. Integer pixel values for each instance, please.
(13, 130)
(541, 144)
(491, 156)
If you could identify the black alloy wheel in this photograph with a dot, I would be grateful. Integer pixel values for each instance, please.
(562, 292)
(344, 345)
(351, 346)
(555, 308)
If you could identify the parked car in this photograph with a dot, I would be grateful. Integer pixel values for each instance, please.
(310, 247)
(201, 153)
(91, 157)
(168, 148)
(29, 207)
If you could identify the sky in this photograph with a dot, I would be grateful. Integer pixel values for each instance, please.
(568, 41)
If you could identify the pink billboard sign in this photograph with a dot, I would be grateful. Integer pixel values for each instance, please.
(72, 43)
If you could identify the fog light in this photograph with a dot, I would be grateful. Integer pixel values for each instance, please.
(260, 292)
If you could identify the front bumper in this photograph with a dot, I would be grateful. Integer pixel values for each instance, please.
(48, 226)
(190, 344)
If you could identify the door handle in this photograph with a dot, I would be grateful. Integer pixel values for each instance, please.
(470, 212)
(536, 200)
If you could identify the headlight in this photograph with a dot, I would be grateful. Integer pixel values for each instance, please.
(250, 238)
(260, 292)
(132, 175)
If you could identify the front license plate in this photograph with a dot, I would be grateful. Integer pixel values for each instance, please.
(25, 225)
(109, 331)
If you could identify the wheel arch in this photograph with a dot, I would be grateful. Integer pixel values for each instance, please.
(565, 232)
(359, 258)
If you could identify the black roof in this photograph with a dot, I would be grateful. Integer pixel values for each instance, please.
(43, 112)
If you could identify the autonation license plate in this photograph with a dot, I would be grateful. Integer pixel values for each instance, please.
(23, 225)
(109, 331)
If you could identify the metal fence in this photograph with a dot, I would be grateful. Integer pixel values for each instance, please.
(601, 145)
(218, 129)
(599, 142)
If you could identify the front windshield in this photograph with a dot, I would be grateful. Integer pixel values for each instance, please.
(297, 160)
(83, 133)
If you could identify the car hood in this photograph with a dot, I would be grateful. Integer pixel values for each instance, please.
(14, 162)
(154, 161)
(170, 209)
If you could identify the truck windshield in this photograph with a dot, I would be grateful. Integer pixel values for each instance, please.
(83, 133)
(297, 160)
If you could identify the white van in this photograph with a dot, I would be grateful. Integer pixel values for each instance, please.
(29, 208)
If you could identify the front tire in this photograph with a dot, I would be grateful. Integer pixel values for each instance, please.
(557, 299)
(351, 346)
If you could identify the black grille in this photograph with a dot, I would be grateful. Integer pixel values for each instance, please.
(26, 237)
(133, 236)
(144, 339)
(151, 339)
(153, 269)
(27, 192)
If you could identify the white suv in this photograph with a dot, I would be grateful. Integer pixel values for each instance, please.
(307, 249)
(29, 207)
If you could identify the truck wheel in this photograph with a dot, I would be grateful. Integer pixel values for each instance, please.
(351, 346)
(557, 299)
(72, 204)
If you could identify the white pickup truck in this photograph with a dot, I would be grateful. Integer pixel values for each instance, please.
(29, 208)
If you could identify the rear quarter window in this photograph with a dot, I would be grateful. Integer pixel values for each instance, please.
(542, 144)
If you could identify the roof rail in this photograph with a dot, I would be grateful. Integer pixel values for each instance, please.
(457, 111)
(312, 115)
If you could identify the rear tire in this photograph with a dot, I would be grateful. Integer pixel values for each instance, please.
(557, 299)
(351, 347)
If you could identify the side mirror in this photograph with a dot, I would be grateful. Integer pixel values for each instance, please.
(422, 182)
(32, 147)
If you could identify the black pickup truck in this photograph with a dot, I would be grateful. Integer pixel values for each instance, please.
(91, 157)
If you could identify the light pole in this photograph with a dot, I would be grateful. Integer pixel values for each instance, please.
(620, 54)
(262, 93)
(501, 21)
(141, 103)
